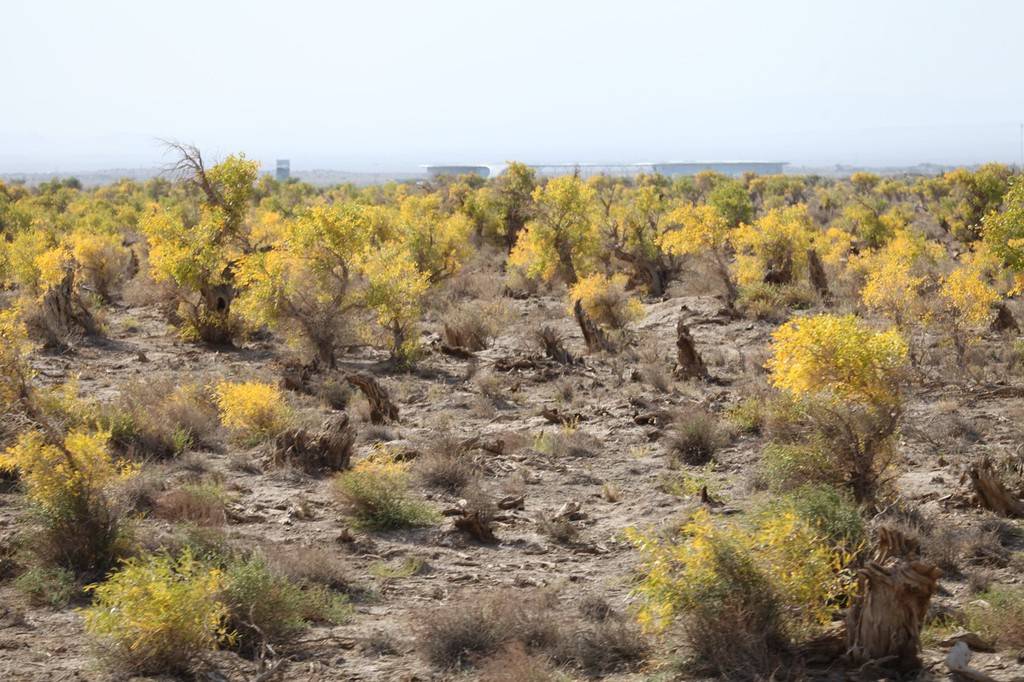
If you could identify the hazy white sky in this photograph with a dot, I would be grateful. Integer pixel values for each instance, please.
(383, 85)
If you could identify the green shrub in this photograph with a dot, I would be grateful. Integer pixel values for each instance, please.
(265, 606)
(1002, 620)
(748, 415)
(830, 512)
(158, 614)
(376, 493)
(47, 586)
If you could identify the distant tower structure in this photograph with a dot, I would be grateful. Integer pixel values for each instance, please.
(284, 170)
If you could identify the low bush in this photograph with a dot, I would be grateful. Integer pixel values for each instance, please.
(694, 437)
(204, 504)
(157, 614)
(475, 324)
(998, 616)
(453, 637)
(744, 593)
(267, 608)
(47, 586)
(252, 411)
(160, 419)
(68, 483)
(830, 512)
(447, 465)
(376, 492)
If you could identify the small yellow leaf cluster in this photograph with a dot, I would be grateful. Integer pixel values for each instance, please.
(606, 300)
(895, 274)
(157, 614)
(394, 291)
(838, 356)
(968, 298)
(251, 410)
(15, 372)
(781, 552)
(777, 240)
(701, 228)
(56, 478)
(562, 240)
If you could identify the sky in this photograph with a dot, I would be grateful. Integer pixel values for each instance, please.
(383, 85)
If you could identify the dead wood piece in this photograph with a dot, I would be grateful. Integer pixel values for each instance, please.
(707, 500)
(297, 377)
(689, 364)
(991, 493)
(780, 273)
(476, 526)
(592, 334)
(512, 502)
(457, 352)
(382, 410)
(556, 417)
(1004, 319)
(894, 544)
(958, 659)
(327, 449)
(817, 275)
(509, 364)
(883, 627)
(569, 511)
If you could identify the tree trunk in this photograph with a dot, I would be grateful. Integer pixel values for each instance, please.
(1004, 320)
(592, 334)
(884, 624)
(689, 364)
(817, 275)
(991, 493)
(62, 317)
(214, 323)
(381, 408)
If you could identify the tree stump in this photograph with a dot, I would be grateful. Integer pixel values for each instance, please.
(592, 334)
(780, 272)
(382, 410)
(990, 491)
(817, 275)
(477, 525)
(1004, 320)
(689, 364)
(883, 626)
(327, 449)
(62, 317)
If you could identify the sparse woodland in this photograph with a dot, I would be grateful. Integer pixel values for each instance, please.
(768, 427)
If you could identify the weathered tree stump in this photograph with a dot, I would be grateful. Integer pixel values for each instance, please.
(327, 449)
(382, 410)
(990, 491)
(817, 275)
(1004, 320)
(62, 317)
(477, 525)
(592, 334)
(689, 364)
(781, 272)
(883, 626)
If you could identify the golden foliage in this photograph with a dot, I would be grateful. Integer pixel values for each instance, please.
(606, 300)
(251, 410)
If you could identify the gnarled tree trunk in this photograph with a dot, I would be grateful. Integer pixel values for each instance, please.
(592, 334)
(689, 364)
(62, 317)
(884, 624)
(381, 408)
(1004, 320)
(817, 275)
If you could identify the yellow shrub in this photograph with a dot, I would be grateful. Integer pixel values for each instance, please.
(55, 477)
(15, 372)
(102, 260)
(837, 355)
(701, 228)
(895, 274)
(157, 614)
(783, 553)
(251, 410)
(968, 298)
(394, 292)
(606, 300)
(776, 241)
